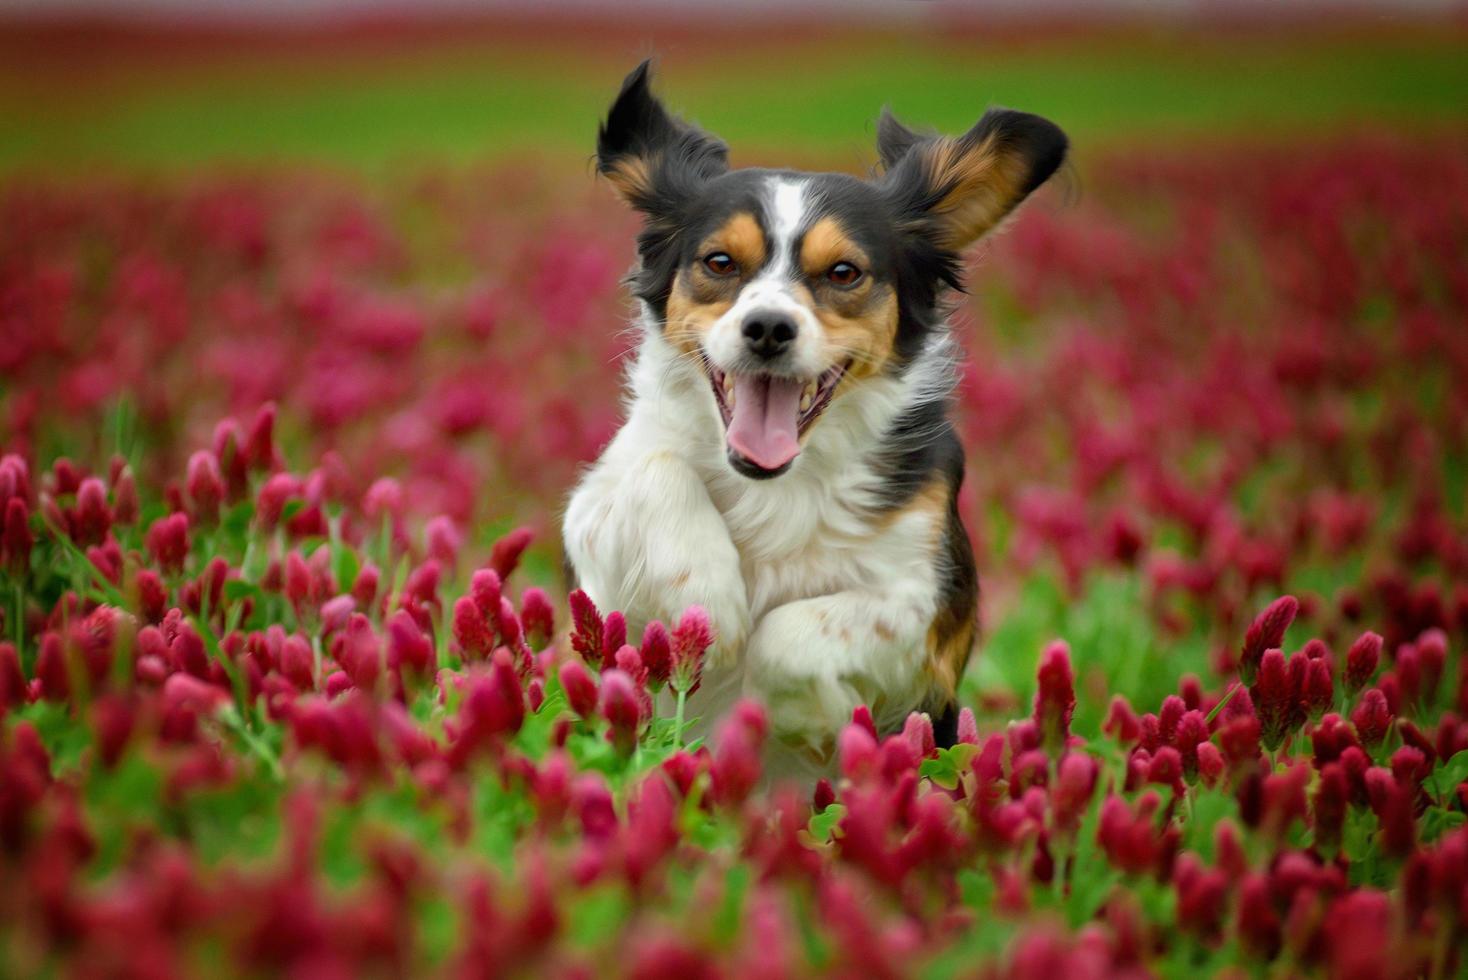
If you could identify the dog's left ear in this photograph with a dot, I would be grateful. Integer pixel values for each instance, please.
(953, 190)
(653, 159)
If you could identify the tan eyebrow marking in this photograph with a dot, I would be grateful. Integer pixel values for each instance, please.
(827, 243)
(740, 236)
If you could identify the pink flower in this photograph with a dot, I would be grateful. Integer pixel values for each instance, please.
(586, 627)
(504, 557)
(1372, 718)
(15, 538)
(690, 641)
(471, 632)
(537, 616)
(408, 649)
(205, 486)
(621, 707)
(580, 688)
(657, 653)
(1121, 721)
(1055, 701)
(168, 542)
(1265, 633)
(93, 518)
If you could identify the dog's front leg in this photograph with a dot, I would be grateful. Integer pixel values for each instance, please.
(644, 537)
(814, 660)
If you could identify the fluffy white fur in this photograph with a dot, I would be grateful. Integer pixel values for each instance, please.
(800, 581)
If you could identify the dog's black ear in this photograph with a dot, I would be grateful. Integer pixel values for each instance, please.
(894, 139)
(955, 189)
(652, 158)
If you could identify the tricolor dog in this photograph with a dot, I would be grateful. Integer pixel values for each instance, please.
(787, 460)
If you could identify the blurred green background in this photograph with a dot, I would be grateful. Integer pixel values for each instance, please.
(77, 96)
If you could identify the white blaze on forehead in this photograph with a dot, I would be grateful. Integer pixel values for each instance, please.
(785, 214)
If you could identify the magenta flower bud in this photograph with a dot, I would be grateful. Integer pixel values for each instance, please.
(1259, 924)
(93, 518)
(486, 590)
(613, 637)
(168, 542)
(537, 616)
(493, 706)
(735, 769)
(113, 717)
(152, 595)
(857, 748)
(383, 501)
(1275, 699)
(968, 727)
(918, 731)
(657, 653)
(1173, 708)
(409, 650)
(586, 627)
(1432, 647)
(504, 557)
(1319, 691)
(1332, 798)
(12, 679)
(15, 479)
(298, 663)
(629, 661)
(1211, 764)
(823, 795)
(1265, 633)
(1166, 768)
(1202, 898)
(182, 692)
(580, 688)
(360, 652)
(444, 541)
(1238, 739)
(68, 478)
(535, 693)
(16, 540)
(187, 651)
(1192, 733)
(1055, 701)
(205, 487)
(690, 640)
(592, 801)
(364, 589)
(1122, 722)
(621, 708)
(471, 632)
(862, 715)
(259, 448)
(1372, 718)
(1071, 795)
(335, 612)
(274, 494)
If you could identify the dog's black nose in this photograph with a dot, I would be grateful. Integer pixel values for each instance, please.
(768, 334)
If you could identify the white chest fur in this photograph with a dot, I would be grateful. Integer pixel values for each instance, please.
(821, 600)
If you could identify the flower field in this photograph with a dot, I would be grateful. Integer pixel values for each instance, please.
(290, 684)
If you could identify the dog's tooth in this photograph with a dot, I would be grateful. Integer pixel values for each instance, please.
(729, 398)
(728, 386)
(805, 400)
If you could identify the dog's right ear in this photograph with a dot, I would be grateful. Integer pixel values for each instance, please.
(653, 159)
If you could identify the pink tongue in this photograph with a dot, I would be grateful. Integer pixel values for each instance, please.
(766, 415)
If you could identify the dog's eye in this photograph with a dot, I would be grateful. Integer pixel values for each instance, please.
(843, 274)
(720, 264)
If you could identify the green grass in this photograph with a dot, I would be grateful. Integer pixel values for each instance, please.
(457, 102)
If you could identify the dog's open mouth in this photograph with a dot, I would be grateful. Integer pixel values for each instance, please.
(765, 416)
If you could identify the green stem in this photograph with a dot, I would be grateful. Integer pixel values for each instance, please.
(678, 718)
